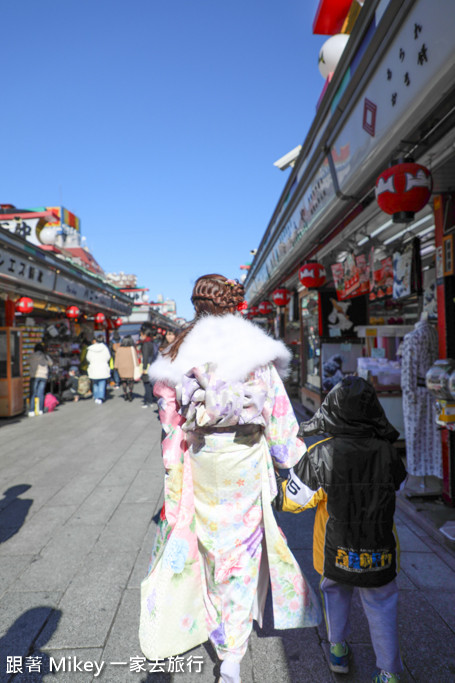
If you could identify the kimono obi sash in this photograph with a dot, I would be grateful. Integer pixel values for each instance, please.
(206, 400)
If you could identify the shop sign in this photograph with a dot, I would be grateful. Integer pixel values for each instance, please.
(419, 58)
(86, 294)
(24, 271)
(26, 228)
(304, 217)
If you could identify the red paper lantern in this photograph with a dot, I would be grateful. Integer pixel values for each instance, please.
(118, 322)
(265, 307)
(72, 312)
(100, 318)
(254, 310)
(281, 296)
(312, 275)
(24, 305)
(404, 189)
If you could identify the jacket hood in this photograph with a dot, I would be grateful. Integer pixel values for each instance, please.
(235, 347)
(351, 408)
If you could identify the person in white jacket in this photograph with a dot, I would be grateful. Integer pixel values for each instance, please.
(98, 357)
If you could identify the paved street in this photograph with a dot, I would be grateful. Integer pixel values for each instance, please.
(80, 489)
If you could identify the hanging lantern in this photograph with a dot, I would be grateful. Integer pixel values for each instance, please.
(72, 312)
(312, 275)
(100, 318)
(118, 322)
(24, 305)
(330, 53)
(404, 189)
(254, 310)
(265, 307)
(281, 296)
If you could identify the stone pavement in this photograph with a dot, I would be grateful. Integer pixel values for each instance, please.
(80, 491)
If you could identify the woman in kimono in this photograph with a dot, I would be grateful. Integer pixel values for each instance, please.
(227, 421)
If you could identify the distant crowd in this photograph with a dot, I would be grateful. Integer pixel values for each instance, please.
(121, 365)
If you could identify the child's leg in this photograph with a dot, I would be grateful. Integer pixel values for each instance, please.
(336, 599)
(380, 605)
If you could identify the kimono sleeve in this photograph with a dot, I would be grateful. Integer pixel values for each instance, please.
(173, 441)
(280, 424)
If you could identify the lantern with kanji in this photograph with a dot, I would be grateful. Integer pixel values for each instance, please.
(281, 296)
(100, 318)
(24, 305)
(118, 322)
(265, 307)
(404, 189)
(254, 310)
(73, 312)
(312, 275)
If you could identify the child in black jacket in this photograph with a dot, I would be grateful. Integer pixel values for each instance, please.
(351, 472)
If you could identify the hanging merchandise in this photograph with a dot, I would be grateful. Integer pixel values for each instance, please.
(281, 296)
(423, 443)
(338, 280)
(339, 318)
(407, 271)
(404, 189)
(242, 306)
(24, 305)
(430, 300)
(362, 265)
(351, 278)
(312, 275)
(73, 312)
(100, 318)
(265, 307)
(381, 276)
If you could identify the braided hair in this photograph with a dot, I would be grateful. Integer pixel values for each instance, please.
(212, 295)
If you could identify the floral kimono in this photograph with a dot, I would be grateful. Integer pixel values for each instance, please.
(218, 543)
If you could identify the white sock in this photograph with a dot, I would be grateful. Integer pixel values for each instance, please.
(230, 671)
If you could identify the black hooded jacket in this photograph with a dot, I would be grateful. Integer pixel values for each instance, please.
(351, 472)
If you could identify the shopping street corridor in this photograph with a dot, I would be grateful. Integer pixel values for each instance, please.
(80, 492)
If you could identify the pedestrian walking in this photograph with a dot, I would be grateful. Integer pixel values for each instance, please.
(114, 346)
(83, 362)
(169, 339)
(126, 360)
(351, 473)
(226, 419)
(98, 367)
(39, 363)
(149, 351)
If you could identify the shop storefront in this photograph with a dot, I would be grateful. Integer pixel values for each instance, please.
(361, 263)
(46, 298)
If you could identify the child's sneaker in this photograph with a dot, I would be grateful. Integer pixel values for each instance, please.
(339, 657)
(385, 677)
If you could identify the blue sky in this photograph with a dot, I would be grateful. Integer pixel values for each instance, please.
(157, 123)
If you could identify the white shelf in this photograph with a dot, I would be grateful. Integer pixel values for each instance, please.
(383, 330)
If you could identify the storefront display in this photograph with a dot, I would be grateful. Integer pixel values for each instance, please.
(377, 131)
(423, 443)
